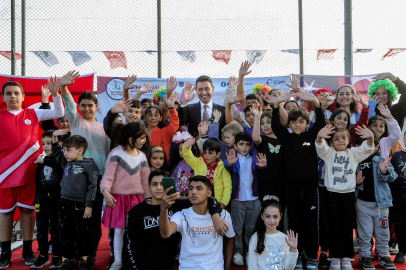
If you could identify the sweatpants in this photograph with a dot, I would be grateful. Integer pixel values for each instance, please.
(323, 233)
(95, 220)
(372, 221)
(46, 206)
(244, 214)
(341, 218)
(266, 188)
(303, 218)
(398, 216)
(75, 230)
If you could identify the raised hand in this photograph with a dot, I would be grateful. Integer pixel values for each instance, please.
(269, 99)
(121, 106)
(53, 86)
(284, 97)
(216, 115)
(59, 132)
(244, 69)
(232, 81)
(168, 200)
(40, 160)
(257, 113)
(306, 96)
(360, 178)
(204, 127)
(292, 240)
(383, 76)
(384, 110)
(129, 82)
(45, 92)
(187, 93)
(261, 160)
(236, 114)
(231, 157)
(326, 132)
(171, 85)
(294, 83)
(237, 98)
(384, 165)
(170, 101)
(68, 79)
(364, 132)
(359, 98)
(375, 98)
(190, 142)
(145, 88)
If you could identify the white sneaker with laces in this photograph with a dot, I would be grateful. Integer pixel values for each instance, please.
(335, 264)
(346, 264)
(238, 259)
(116, 266)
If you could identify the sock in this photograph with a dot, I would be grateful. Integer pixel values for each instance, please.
(27, 246)
(6, 248)
(118, 244)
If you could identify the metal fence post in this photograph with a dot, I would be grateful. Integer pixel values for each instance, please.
(22, 37)
(301, 37)
(159, 45)
(13, 38)
(348, 57)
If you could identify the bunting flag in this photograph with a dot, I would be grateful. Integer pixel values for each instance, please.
(188, 55)
(117, 59)
(7, 54)
(79, 57)
(392, 53)
(295, 51)
(255, 56)
(325, 54)
(363, 50)
(47, 57)
(150, 52)
(222, 56)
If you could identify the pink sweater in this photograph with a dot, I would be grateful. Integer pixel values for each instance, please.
(126, 175)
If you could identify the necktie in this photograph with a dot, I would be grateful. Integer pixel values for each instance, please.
(205, 114)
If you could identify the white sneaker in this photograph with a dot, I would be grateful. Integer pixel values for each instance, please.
(346, 264)
(116, 266)
(335, 264)
(238, 259)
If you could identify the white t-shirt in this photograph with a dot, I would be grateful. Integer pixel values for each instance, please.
(276, 254)
(202, 247)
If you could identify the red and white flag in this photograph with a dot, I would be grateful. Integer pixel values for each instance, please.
(117, 59)
(392, 53)
(7, 54)
(222, 56)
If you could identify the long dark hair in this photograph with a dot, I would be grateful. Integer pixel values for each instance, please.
(380, 118)
(260, 227)
(337, 112)
(175, 157)
(132, 130)
(354, 108)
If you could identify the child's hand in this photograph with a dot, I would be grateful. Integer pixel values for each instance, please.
(326, 132)
(231, 157)
(190, 142)
(168, 200)
(170, 101)
(360, 179)
(384, 165)
(257, 113)
(45, 93)
(121, 106)
(222, 206)
(232, 81)
(294, 80)
(364, 132)
(261, 160)
(244, 69)
(359, 98)
(110, 200)
(219, 225)
(307, 96)
(216, 115)
(171, 85)
(68, 79)
(129, 82)
(384, 110)
(269, 99)
(53, 86)
(291, 240)
(88, 212)
(187, 93)
(204, 127)
(59, 132)
(383, 76)
(145, 88)
(237, 98)
(40, 160)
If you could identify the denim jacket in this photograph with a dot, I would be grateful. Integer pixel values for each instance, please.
(382, 191)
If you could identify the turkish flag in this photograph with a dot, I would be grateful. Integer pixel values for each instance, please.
(222, 56)
(7, 54)
(117, 59)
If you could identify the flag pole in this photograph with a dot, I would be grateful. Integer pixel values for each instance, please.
(159, 45)
(348, 57)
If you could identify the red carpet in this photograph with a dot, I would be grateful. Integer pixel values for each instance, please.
(103, 257)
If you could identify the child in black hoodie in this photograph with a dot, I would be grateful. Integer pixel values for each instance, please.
(78, 193)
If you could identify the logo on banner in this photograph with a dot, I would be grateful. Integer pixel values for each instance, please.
(273, 82)
(181, 84)
(223, 84)
(114, 88)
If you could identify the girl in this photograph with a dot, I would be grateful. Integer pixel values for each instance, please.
(124, 183)
(270, 248)
(156, 157)
(290, 104)
(339, 179)
(345, 100)
(181, 171)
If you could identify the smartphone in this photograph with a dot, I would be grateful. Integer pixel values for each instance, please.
(169, 182)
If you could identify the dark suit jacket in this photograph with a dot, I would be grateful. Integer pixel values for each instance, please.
(190, 115)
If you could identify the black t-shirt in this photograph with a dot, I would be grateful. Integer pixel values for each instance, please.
(368, 194)
(273, 173)
(399, 163)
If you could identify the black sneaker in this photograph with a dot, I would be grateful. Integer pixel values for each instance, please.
(41, 262)
(67, 264)
(85, 263)
(323, 261)
(299, 264)
(400, 257)
(386, 262)
(29, 258)
(56, 262)
(5, 261)
(366, 264)
(110, 262)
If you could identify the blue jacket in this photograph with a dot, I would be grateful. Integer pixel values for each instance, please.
(234, 171)
(382, 191)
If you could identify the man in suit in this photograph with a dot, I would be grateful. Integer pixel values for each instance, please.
(193, 114)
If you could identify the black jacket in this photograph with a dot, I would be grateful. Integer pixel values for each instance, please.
(48, 177)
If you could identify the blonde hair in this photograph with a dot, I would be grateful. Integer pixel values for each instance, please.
(233, 127)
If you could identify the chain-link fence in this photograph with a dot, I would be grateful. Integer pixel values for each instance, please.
(191, 30)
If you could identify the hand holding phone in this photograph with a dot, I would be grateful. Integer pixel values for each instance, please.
(168, 182)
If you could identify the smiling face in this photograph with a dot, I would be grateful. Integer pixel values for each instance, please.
(153, 117)
(243, 148)
(340, 141)
(382, 95)
(266, 125)
(262, 94)
(47, 145)
(156, 160)
(204, 91)
(341, 120)
(378, 126)
(198, 192)
(271, 217)
(144, 106)
(298, 126)
(156, 187)
(132, 115)
(88, 108)
(63, 123)
(344, 96)
(289, 105)
(13, 97)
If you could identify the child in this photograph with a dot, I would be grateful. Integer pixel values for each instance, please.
(372, 207)
(209, 165)
(124, 183)
(269, 248)
(202, 246)
(340, 165)
(47, 194)
(156, 157)
(245, 203)
(78, 194)
(181, 171)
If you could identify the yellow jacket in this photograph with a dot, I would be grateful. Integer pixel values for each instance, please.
(222, 178)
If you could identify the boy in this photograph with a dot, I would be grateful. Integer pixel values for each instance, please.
(245, 203)
(209, 165)
(301, 167)
(202, 247)
(143, 240)
(48, 192)
(78, 193)
(18, 151)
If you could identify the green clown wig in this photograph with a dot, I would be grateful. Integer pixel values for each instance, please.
(389, 86)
